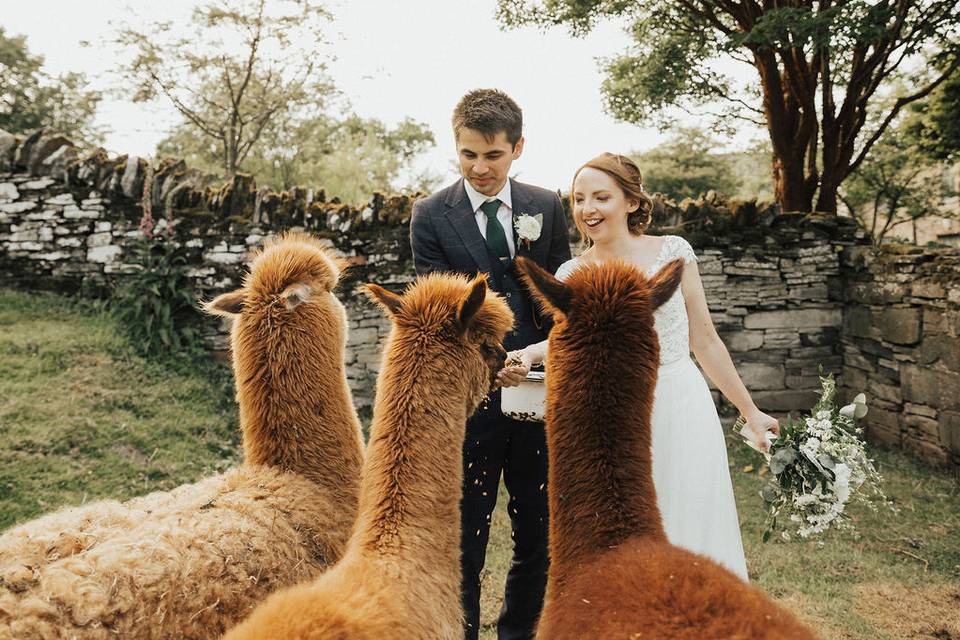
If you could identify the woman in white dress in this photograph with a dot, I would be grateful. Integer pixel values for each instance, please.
(690, 471)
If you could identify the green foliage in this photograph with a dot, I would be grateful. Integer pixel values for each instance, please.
(898, 183)
(156, 305)
(349, 157)
(233, 70)
(30, 98)
(685, 167)
(934, 124)
(825, 82)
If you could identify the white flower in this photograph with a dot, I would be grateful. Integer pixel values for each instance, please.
(856, 409)
(528, 227)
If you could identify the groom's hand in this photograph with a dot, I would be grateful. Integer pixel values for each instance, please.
(516, 369)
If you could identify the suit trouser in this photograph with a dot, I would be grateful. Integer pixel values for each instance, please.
(495, 443)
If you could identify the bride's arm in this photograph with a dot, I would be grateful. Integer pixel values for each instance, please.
(715, 360)
(530, 355)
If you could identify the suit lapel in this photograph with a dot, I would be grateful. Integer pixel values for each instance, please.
(523, 205)
(464, 221)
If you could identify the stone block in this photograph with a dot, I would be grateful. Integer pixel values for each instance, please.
(104, 254)
(743, 340)
(887, 392)
(36, 185)
(785, 400)
(18, 207)
(781, 339)
(927, 427)
(949, 383)
(61, 200)
(950, 430)
(794, 319)
(99, 239)
(71, 212)
(224, 257)
(878, 433)
(920, 410)
(930, 290)
(761, 376)
(920, 385)
(8, 192)
(900, 325)
(858, 322)
(940, 348)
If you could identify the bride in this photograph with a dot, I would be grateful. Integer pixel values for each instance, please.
(690, 471)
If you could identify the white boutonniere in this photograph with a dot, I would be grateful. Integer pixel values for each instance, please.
(528, 227)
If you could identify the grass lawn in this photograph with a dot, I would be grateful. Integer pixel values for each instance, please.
(82, 418)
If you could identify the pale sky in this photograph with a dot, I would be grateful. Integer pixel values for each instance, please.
(393, 59)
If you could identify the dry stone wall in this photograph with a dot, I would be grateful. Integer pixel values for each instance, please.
(787, 292)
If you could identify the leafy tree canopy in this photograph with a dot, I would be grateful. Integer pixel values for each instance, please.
(31, 98)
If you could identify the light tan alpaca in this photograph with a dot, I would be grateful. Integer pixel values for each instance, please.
(400, 576)
(190, 562)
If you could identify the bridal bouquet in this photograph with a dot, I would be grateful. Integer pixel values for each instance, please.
(818, 466)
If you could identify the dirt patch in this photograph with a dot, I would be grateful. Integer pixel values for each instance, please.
(912, 612)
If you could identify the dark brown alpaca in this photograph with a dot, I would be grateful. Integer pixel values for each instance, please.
(400, 576)
(613, 574)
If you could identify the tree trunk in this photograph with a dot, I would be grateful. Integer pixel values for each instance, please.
(789, 184)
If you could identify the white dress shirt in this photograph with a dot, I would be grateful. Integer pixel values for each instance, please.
(504, 213)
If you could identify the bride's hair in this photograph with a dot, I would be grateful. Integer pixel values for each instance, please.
(627, 174)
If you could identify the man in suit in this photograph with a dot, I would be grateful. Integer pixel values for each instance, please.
(470, 227)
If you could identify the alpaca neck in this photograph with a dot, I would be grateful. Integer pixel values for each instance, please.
(412, 476)
(301, 419)
(601, 482)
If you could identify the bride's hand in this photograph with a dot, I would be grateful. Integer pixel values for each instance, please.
(517, 367)
(758, 424)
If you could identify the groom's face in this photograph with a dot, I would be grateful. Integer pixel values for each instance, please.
(485, 162)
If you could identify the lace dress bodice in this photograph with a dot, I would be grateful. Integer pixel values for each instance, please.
(670, 320)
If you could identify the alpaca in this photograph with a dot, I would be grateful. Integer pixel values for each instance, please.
(613, 574)
(191, 562)
(400, 575)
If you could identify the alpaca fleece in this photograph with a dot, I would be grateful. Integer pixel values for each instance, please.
(190, 562)
(613, 574)
(400, 575)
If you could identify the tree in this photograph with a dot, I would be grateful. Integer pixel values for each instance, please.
(821, 65)
(30, 98)
(934, 124)
(350, 157)
(686, 167)
(896, 184)
(237, 67)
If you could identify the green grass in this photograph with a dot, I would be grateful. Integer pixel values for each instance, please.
(82, 418)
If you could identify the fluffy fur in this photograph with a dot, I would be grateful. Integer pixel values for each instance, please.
(400, 575)
(190, 562)
(613, 574)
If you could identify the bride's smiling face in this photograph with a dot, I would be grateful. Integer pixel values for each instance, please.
(600, 206)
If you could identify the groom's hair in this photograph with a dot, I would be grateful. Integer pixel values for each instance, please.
(488, 111)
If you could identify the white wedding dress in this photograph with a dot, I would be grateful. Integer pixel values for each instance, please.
(690, 471)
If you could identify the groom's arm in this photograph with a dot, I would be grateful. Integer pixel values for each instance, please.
(428, 256)
(559, 239)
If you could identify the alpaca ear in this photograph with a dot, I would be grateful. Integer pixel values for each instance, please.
(391, 302)
(553, 295)
(340, 266)
(472, 303)
(666, 281)
(226, 304)
(295, 295)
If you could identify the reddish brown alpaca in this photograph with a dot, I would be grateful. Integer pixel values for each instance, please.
(613, 574)
(191, 562)
(400, 575)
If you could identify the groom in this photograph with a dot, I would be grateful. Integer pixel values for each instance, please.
(469, 227)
